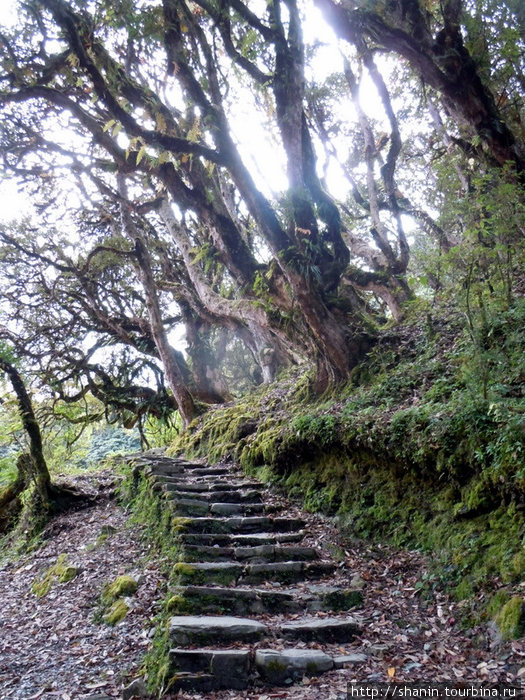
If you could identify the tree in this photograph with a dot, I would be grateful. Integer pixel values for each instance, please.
(169, 222)
(32, 470)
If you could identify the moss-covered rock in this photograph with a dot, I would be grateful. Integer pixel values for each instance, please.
(122, 586)
(511, 618)
(60, 572)
(117, 612)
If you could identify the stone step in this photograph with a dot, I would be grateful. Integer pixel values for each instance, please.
(285, 572)
(250, 496)
(206, 670)
(321, 630)
(230, 572)
(194, 507)
(217, 668)
(233, 601)
(260, 554)
(210, 471)
(218, 630)
(248, 525)
(178, 484)
(168, 470)
(187, 630)
(223, 573)
(226, 540)
(227, 509)
(258, 601)
(284, 666)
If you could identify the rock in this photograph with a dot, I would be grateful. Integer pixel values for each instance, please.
(280, 667)
(207, 629)
(136, 689)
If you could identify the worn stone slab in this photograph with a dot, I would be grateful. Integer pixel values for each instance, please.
(226, 509)
(203, 553)
(321, 630)
(178, 485)
(211, 630)
(208, 572)
(250, 496)
(285, 572)
(190, 507)
(234, 601)
(210, 471)
(280, 667)
(247, 525)
(231, 539)
(230, 668)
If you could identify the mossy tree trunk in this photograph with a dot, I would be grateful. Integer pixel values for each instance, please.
(32, 467)
(37, 471)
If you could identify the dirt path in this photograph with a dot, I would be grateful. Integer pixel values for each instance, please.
(52, 648)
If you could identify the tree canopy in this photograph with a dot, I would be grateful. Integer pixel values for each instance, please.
(398, 125)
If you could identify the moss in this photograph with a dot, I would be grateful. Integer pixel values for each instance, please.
(179, 605)
(122, 586)
(60, 572)
(496, 603)
(464, 590)
(117, 612)
(511, 618)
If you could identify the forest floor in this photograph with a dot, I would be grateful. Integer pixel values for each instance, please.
(53, 646)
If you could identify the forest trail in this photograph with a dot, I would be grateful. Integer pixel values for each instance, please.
(247, 553)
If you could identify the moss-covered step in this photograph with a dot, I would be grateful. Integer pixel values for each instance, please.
(321, 630)
(223, 573)
(187, 630)
(284, 666)
(285, 571)
(261, 554)
(229, 668)
(246, 525)
(226, 540)
(233, 601)
(251, 496)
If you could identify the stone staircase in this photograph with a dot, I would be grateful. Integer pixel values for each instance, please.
(251, 604)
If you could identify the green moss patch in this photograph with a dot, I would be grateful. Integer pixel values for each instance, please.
(511, 618)
(116, 613)
(60, 572)
(122, 586)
